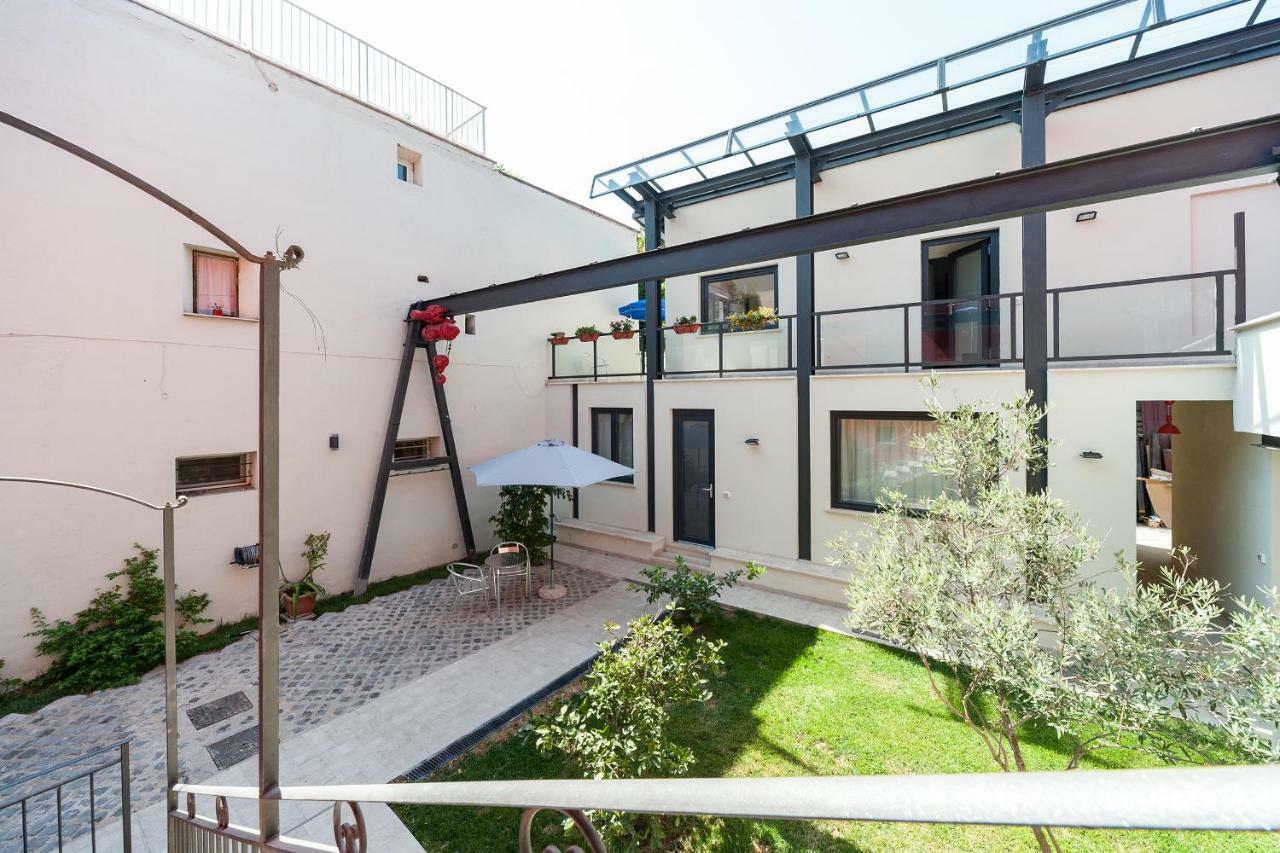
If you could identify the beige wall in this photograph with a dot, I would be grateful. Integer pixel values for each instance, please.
(104, 380)
(1226, 498)
(1257, 393)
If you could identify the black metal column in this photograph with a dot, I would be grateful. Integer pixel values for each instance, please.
(804, 361)
(1238, 221)
(1035, 274)
(412, 330)
(574, 398)
(653, 352)
(451, 451)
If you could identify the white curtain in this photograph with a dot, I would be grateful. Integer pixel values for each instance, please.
(216, 284)
(876, 454)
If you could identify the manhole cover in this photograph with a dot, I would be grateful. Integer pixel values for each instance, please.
(219, 709)
(234, 749)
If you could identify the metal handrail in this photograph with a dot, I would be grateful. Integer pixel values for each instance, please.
(289, 35)
(126, 808)
(180, 502)
(720, 328)
(1201, 798)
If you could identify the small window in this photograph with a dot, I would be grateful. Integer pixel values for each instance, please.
(738, 292)
(469, 324)
(408, 166)
(872, 452)
(215, 281)
(417, 449)
(611, 437)
(200, 474)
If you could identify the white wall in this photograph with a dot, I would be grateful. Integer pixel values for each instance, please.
(1257, 391)
(104, 380)
(1226, 499)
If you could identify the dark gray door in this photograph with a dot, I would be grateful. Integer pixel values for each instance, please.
(694, 480)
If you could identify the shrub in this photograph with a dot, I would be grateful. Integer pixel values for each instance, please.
(120, 635)
(315, 553)
(693, 594)
(975, 579)
(616, 728)
(522, 517)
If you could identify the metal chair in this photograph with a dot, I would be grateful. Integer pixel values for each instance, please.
(468, 579)
(515, 569)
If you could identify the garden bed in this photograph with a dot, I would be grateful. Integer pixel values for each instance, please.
(797, 701)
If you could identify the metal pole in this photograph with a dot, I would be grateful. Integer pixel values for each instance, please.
(1035, 241)
(126, 801)
(653, 342)
(1240, 267)
(804, 175)
(170, 663)
(269, 540)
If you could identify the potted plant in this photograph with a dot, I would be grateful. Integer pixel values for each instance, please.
(587, 334)
(687, 325)
(299, 597)
(217, 310)
(623, 330)
(558, 339)
(753, 320)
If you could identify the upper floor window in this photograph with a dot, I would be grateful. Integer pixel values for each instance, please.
(611, 437)
(961, 328)
(726, 294)
(408, 166)
(871, 452)
(200, 474)
(215, 281)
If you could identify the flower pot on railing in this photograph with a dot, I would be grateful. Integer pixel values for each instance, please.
(623, 336)
(558, 339)
(587, 334)
(686, 325)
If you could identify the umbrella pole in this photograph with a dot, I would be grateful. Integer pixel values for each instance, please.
(552, 590)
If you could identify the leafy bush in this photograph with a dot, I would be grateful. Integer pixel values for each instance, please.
(315, 553)
(693, 594)
(120, 635)
(616, 728)
(982, 576)
(522, 517)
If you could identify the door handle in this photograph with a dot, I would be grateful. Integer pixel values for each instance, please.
(711, 489)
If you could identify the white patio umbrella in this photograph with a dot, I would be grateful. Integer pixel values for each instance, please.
(549, 463)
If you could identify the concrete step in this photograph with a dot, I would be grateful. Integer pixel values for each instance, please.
(697, 562)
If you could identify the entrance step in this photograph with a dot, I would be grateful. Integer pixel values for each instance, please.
(697, 560)
(637, 544)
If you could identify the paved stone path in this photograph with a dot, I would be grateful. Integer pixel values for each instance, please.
(329, 667)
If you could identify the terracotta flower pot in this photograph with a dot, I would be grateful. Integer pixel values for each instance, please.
(559, 342)
(624, 335)
(687, 328)
(588, 338)
(302, 605)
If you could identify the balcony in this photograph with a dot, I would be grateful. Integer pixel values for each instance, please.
(1157, 319)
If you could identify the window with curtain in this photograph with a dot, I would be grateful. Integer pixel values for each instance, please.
(738, 292)
(872, 452)
(611, 437)
(216, 283)
(199, 474)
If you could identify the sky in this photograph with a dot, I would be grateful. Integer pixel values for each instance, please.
(574, 87)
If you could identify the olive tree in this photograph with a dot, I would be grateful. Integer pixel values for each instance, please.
(991, 581)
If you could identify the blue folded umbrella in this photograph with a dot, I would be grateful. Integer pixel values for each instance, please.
(635, 310)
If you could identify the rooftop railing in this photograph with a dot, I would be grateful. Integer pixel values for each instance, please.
(293, 37)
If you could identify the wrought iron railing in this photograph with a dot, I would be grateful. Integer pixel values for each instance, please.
(24, 801)
(291, 36)
(1203, 798)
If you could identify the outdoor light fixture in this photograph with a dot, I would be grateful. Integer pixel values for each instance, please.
(842, 256)
(424, 279)
(1091, 454)
(1086, 216)
(333, 441)
(754, 442)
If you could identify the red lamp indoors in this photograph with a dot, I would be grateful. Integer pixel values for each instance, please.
(1167, 428)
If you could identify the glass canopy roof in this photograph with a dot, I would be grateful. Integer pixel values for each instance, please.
(1096, 37)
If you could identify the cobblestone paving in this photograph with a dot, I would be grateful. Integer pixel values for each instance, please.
(327, 667)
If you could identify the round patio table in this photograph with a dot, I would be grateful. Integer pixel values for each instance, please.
(500, 566)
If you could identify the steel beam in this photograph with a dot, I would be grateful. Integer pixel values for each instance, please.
(269, 540)
(1238, 222)
(804, 362)
(1232, 151)
(653, 353)
(573, 403)
(412, 329)
(451, 450)
(1035, 268)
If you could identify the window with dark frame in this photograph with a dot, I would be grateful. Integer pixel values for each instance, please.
(200, 474)
(612, 437)
(872, 452)
(215, 284)
(738, 292)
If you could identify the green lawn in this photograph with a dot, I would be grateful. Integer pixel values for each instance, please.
(796, 701)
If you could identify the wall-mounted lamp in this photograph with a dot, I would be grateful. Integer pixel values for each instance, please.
(422, 279)
(1086, 216)
(754, 442)
(333, 441)
(1091, 454)
(842, 256)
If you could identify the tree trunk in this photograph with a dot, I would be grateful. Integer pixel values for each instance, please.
(1044, 836)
